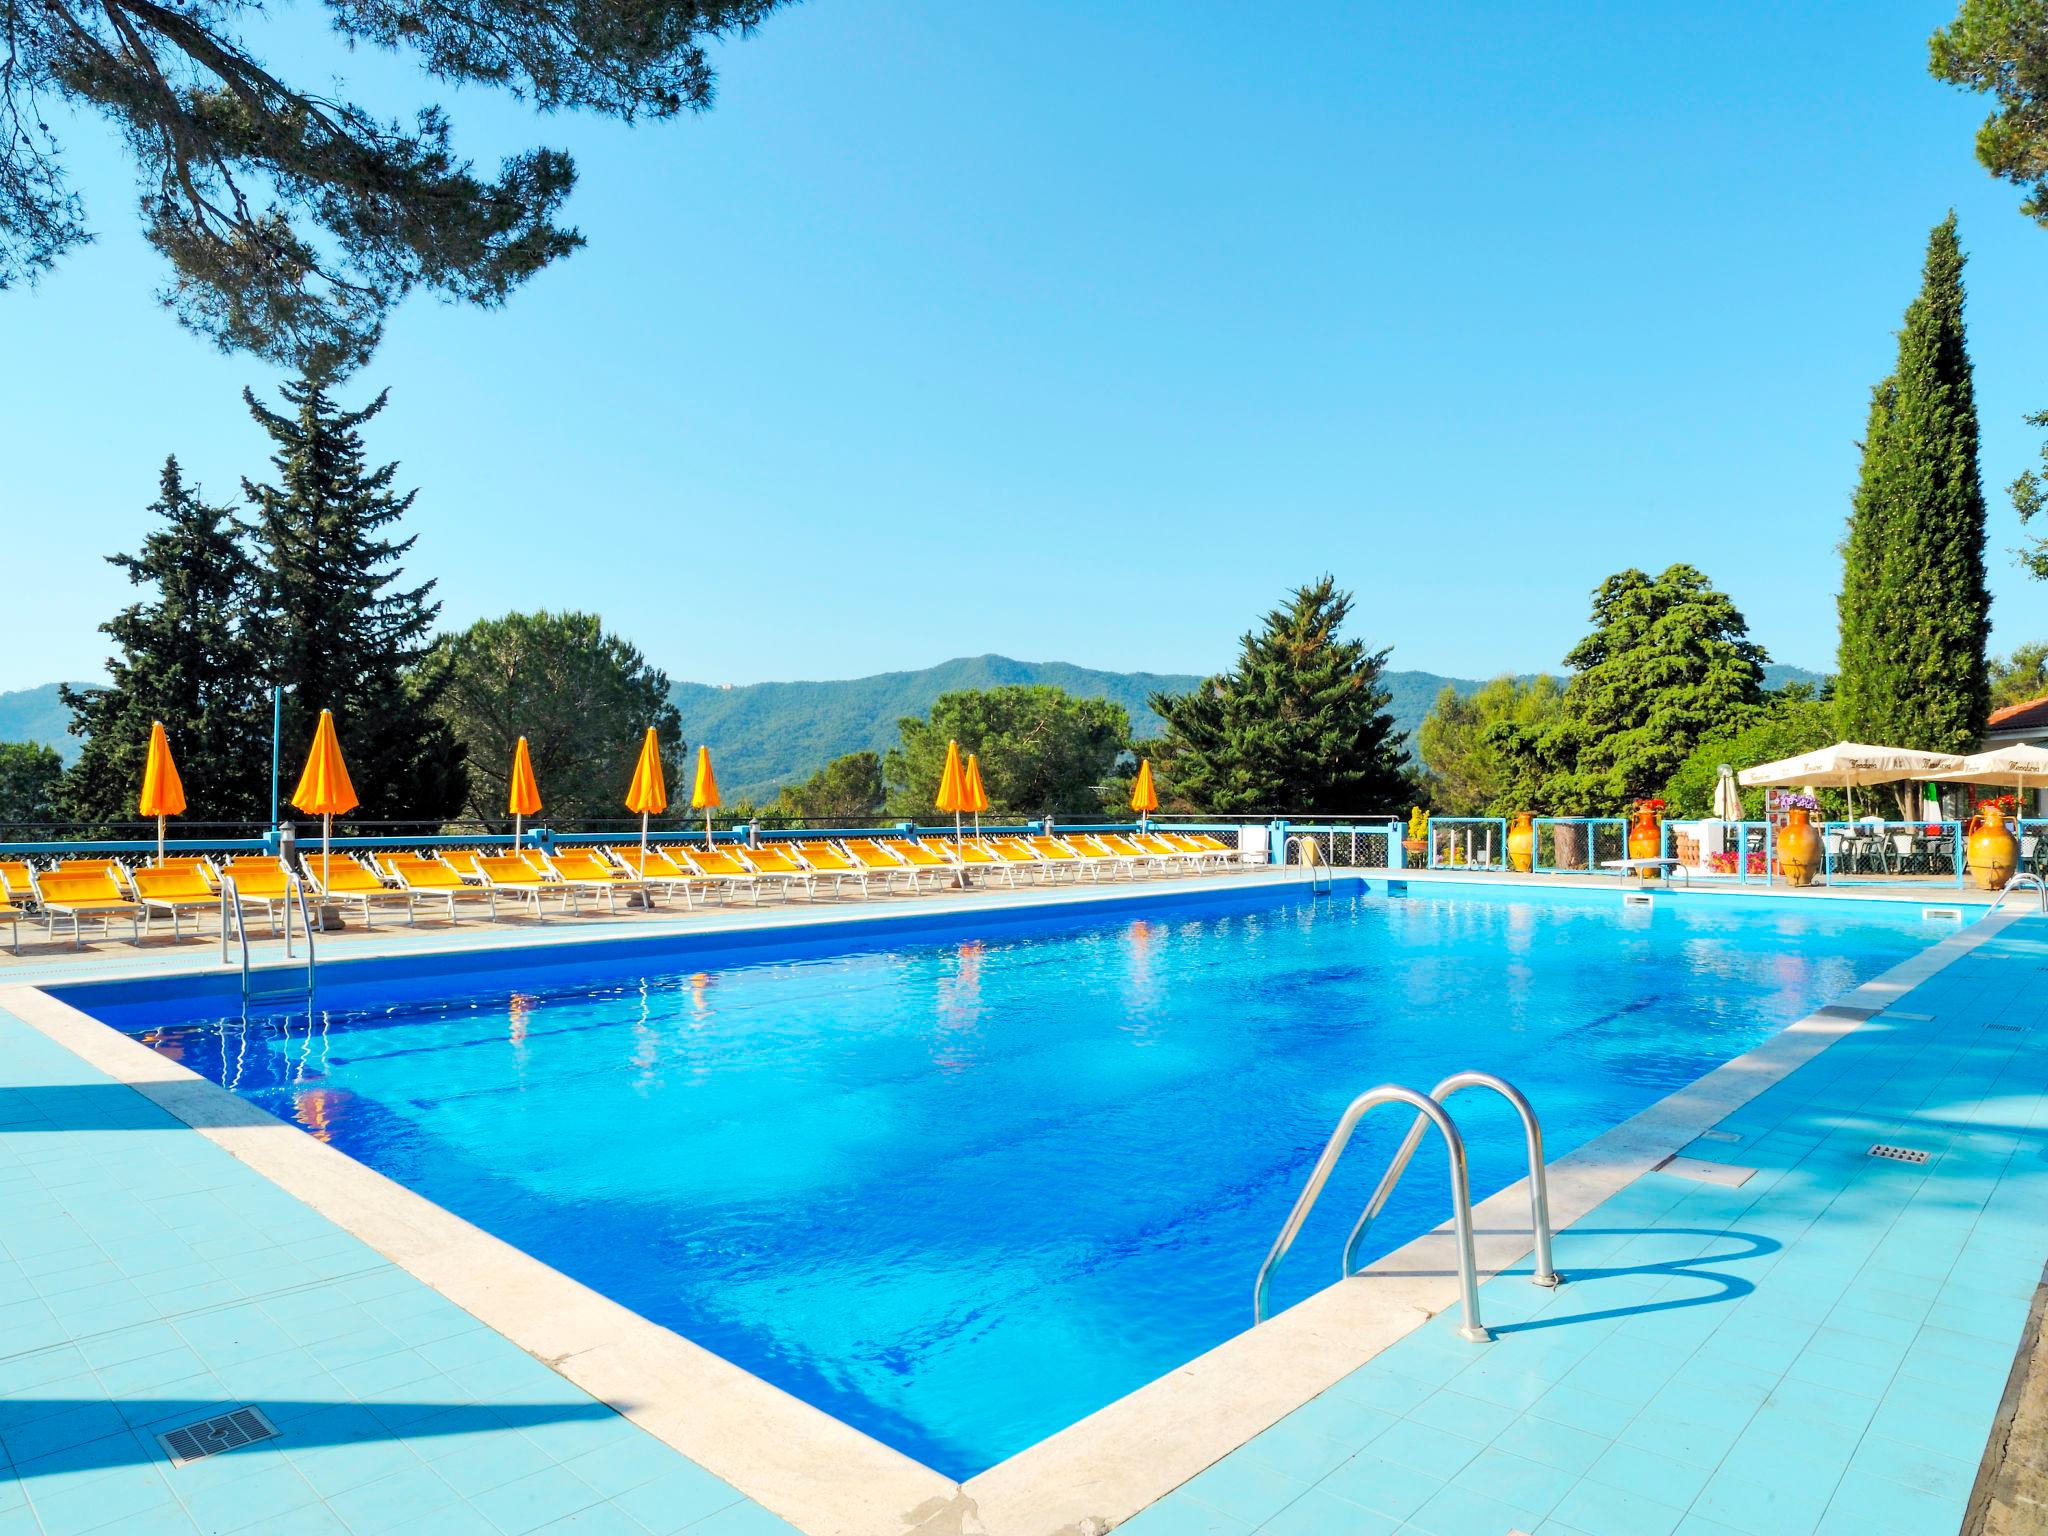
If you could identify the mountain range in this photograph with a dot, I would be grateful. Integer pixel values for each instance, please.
(769, 734)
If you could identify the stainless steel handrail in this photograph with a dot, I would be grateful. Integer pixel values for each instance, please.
(231, 912)
(1461, 1198)
(232, 915)
(2023, 881)
(1539, 1193)
(1312, 860)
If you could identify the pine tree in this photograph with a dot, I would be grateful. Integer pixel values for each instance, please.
(1915, 611)
(184, 658)
(1300, 724)
(339, 630)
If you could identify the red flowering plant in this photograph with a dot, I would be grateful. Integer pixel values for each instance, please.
(1646, 807)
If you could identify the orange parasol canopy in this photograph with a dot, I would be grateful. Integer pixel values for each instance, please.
(952, 782)
(704, 793)
(524, 799)
(977, 797)
(324, 789)
(649, 791)
(1144, 795)
(163, 794)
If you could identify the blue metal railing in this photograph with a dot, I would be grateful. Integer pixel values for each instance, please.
(1577, 845)
(1880, 852)
(1468, 842)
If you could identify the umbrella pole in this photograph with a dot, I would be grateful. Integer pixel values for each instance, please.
(160, 840)
(326, 836)
(643, 845)
(707, 826)
(518, 832)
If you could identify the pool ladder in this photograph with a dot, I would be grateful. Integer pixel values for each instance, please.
(1303, 852)
(2024, 881)
(1429, 1111)
(232, 916)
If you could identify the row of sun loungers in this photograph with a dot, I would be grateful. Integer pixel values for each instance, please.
(105, 891)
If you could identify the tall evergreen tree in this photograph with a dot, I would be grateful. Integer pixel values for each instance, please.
(1915, 611)
(1299, 724)
(340, 632)
(184, 658)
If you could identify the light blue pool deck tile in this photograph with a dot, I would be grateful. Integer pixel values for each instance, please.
(1382, 1486)
(1802, 1345)
(1174, 1515)
(189, 1286)
(1317, 1513)
(1245, 1489)
(1462, 1511)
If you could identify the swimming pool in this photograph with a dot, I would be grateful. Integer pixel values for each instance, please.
(961, 1191)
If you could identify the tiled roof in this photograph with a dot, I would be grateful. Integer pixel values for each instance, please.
(2029, 716)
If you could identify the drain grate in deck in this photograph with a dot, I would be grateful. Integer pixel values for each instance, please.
(209, 1437)
(1898, 1154)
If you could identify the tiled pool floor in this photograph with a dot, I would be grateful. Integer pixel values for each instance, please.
(1819, 1352)
(148, 1280)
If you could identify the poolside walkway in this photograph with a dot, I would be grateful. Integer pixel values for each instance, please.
(148, 1279)
(1820, 1351)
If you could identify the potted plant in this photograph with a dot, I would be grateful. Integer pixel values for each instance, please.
(1800, 852)
(1416, 844)
(1993, 850)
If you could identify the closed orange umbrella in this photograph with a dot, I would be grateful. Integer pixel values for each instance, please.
(953, 787)
(324, 789)
(162, 792)
(1144, 796)
(648, 793)
(704, 793)
(524, 799)
(977, 797)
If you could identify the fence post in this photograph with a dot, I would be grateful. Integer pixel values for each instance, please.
(1397, 856)
(1276, 842)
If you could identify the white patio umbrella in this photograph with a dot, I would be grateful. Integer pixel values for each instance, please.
(2022, 766)
(1727, 798)
(1847, 764)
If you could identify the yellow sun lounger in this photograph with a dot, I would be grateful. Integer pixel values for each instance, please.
(85, 894)
(660, 870)
(971, 854)
(260, 882)
(1058, 855)
(827, 862)
(721, 869)
(422, 878)
(17, 882)
(879, 862)
(583, 869)
(1176, 857)
(347, 882)
(511, 876)
(176, 890)
(773, 862)
(1016, 853)
(113, 867)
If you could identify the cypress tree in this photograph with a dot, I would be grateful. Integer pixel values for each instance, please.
(1300, 724)
(1915, 612)
(184, 657)
(340, 631)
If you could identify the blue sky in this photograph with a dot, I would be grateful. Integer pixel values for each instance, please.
(1083, 332)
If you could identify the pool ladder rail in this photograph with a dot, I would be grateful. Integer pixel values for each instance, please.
(232, 916)
(1429, 1111)
(2024, 881)
(1305, 853)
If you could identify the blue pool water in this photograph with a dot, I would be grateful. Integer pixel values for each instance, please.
(961, 1191)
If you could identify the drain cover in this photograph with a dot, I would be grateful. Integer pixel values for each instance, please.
(1898, 1154)
(210, 1437)
(2017, 1029)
